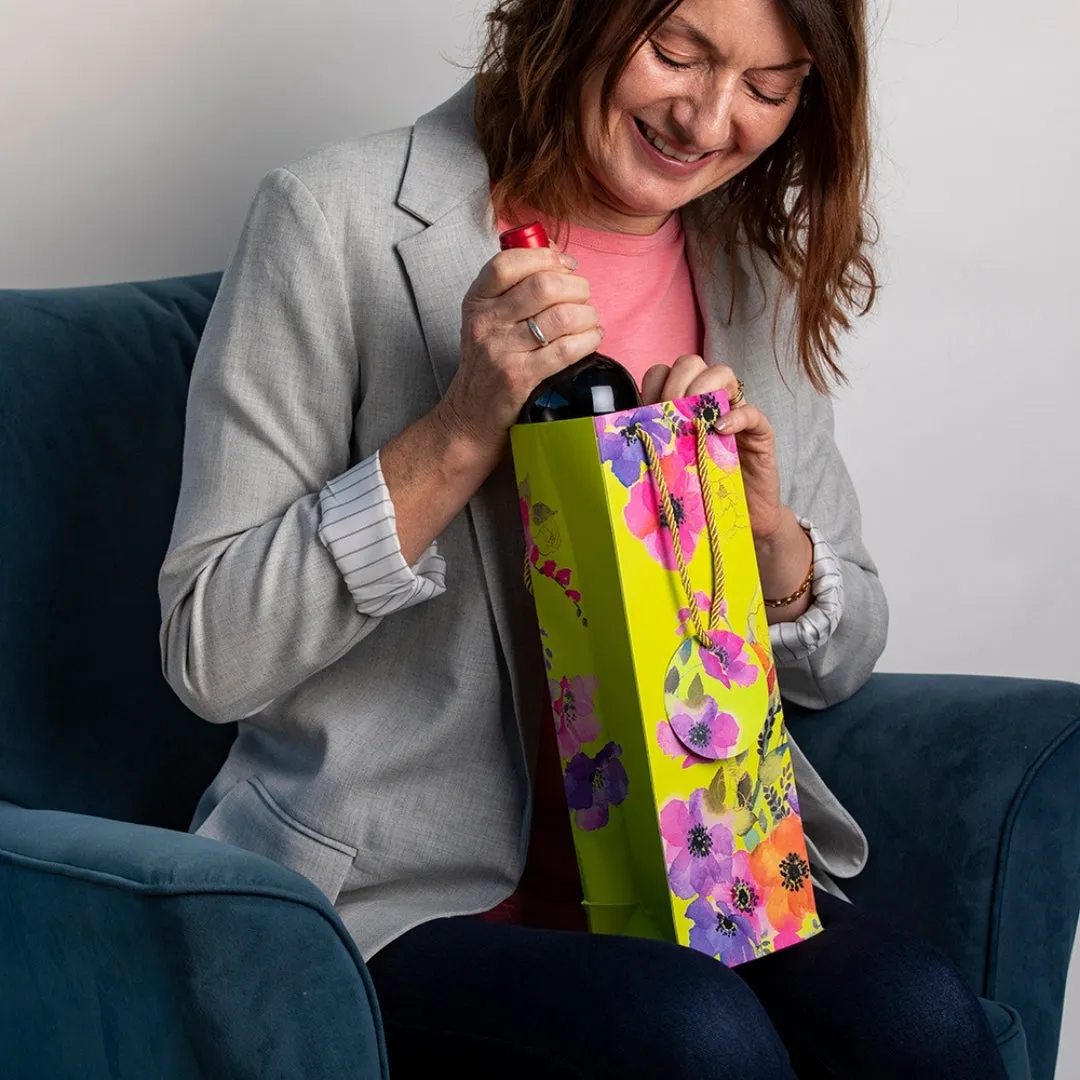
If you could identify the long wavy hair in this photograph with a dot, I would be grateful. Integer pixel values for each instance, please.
(802, 203)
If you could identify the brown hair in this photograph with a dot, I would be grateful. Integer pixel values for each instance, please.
(801, 203)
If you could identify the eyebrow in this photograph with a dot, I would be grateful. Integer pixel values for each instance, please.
(680, 23)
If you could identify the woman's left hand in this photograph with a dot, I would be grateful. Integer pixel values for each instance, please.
(689, 376)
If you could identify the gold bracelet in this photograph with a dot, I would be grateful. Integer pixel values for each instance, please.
(798, 593)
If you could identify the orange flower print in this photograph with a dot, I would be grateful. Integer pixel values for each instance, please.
(782, 871)
(765, 660)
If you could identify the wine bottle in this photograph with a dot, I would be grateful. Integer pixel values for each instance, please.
(592, 386)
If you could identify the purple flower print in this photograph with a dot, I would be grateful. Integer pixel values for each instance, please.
(726, 935)
(621, 446)
(670, 744)
(576, 722)
(707, 732)
(724, 661)
(698, 854)
(595, 784)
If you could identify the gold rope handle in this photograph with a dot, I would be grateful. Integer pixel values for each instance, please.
(701, 632)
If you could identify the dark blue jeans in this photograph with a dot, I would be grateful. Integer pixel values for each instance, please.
(859, 1000)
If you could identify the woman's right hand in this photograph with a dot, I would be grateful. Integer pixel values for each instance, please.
(501, 361)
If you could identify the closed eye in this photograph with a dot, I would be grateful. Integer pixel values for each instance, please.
(678, 65)
(759, 96)
(668, 61)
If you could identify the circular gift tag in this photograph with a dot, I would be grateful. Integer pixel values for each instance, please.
(716, 699)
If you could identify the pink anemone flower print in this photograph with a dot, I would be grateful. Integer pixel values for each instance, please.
(645, 520)
(725, 660)
(722, 448)
(576, 722)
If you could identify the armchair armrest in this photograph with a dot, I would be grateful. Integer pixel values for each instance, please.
(133, 951)
(967, 789)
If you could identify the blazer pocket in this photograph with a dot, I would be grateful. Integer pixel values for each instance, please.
(250, 817)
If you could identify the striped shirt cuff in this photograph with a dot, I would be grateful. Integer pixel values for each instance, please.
(796, 640)
(358, 527)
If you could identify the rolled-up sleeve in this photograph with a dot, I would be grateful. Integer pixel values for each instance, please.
(797, 639)
(253, 597)
(359, 529)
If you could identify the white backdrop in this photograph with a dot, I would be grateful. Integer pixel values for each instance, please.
(133, 138)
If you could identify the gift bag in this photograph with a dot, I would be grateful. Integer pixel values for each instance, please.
(676, 765)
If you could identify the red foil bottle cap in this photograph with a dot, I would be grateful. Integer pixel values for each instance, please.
(527, 236)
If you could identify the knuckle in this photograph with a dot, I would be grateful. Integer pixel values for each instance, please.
(476, 328)
(471, 337)
(566, 351)
(558, 321)
(499, 272)
(719, 378)
(564, 320)
(691, 361)
(546, 288)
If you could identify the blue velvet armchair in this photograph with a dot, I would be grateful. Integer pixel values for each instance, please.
(129, 948)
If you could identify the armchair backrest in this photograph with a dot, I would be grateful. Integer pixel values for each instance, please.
(93, 383)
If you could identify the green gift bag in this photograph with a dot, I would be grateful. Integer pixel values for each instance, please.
(668, 720)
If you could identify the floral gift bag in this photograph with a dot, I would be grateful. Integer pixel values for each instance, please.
(674, 752)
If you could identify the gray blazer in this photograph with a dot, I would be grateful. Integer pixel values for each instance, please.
(388, 759)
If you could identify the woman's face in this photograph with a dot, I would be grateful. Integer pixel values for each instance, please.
(716, 84)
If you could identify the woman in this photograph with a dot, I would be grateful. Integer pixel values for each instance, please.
(344, 576)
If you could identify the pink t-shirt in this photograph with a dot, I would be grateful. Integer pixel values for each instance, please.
(642, 288)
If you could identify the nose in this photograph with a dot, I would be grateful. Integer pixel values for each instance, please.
(707, 119)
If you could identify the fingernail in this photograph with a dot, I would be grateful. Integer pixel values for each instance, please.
(568, 261)
(601, 329)
(722, 424)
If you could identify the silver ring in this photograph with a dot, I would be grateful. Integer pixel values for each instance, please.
(536, 333)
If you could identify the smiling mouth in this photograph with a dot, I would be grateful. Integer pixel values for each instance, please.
(665, 148)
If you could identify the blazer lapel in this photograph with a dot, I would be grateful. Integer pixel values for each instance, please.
(442, 262)
(446, 186)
